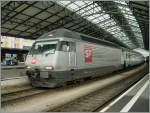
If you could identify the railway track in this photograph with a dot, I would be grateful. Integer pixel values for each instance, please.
(52, 99)
(96, 100)
(20, 94)
(14, 84)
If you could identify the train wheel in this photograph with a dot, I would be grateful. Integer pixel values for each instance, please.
(81, 81)
(64, 84)
(88, 78)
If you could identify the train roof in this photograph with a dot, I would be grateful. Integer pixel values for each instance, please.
(62, 32)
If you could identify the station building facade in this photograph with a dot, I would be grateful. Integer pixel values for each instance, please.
(12, 47)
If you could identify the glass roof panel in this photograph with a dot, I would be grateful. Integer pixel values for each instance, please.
(120, 1)
(91, 17)
(106, 16)
(96, 15)
(65, 3)
(73, 6)
(111, 28)
(80, 3)
(130, 18)
(95, 20)
(100, 18)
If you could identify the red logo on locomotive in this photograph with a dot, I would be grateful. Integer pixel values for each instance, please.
(87, 54)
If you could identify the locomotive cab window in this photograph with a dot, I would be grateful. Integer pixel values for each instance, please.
(44, 47)
(67, 46)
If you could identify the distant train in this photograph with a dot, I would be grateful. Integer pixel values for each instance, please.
(61, 56)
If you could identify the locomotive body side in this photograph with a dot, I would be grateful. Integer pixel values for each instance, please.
(96, 60)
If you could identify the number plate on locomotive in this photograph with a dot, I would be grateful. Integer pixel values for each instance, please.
(44, 75)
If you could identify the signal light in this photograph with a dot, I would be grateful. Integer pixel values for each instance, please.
(33, 61)
(49, 67)
(28, 67)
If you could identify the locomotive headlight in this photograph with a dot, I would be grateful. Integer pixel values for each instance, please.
(49, 67)
(28, 67)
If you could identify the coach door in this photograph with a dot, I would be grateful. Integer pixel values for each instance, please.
(125, 58)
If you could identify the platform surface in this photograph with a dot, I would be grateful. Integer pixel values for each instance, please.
(135, 99)
(20, 66)
(12, 71)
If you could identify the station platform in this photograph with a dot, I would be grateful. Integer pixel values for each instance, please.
(12, 71)
(13, 67)
(135, 99)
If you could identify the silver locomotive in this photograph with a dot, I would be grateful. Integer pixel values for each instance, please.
(61, 56)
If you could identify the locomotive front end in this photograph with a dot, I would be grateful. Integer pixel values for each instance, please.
(40, 61)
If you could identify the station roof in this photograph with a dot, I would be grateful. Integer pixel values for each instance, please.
(124, 23)
(144, 52)
(14, 50)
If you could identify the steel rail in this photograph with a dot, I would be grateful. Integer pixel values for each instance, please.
(14, 84)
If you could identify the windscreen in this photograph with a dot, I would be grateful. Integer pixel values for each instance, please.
(41, 47)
